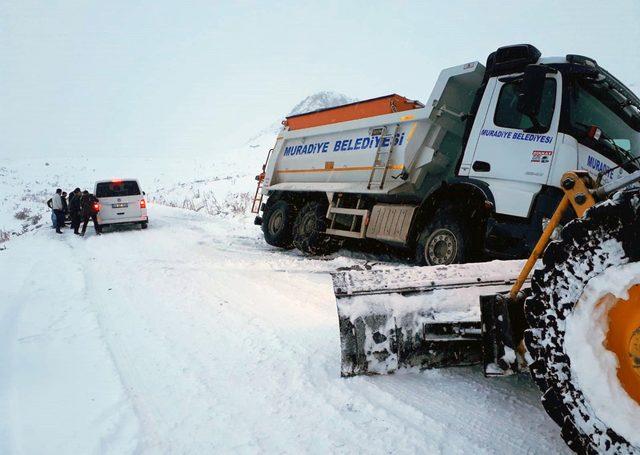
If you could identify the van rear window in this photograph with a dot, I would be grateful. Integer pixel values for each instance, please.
(117, 189)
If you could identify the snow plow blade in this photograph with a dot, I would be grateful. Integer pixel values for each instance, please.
(426, 317)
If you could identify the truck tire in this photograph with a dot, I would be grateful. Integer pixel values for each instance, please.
(308, 231)
(277, 224)
(444, 240)
(606, 238)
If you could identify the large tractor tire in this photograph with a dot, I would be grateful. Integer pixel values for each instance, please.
(583, 340)
(277, 224)
(308, 231)
(444, 240)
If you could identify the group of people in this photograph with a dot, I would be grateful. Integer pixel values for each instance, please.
(81, 206)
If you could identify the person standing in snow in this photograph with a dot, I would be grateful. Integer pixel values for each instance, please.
(53, 213)
(56, 204)
(89, 210)
(65, 208)
(74, 209)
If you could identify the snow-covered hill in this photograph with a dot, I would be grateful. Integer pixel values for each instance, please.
(320, 100)
(222, 185)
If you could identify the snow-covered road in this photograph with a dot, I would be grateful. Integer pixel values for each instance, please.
(195, 337)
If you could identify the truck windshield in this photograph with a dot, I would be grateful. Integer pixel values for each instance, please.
(596, 103)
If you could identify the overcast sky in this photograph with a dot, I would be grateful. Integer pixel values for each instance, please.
(187, 77)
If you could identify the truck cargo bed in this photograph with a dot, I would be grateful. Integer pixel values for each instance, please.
(383, 145)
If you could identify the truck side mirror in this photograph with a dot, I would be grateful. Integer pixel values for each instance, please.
(531, 89)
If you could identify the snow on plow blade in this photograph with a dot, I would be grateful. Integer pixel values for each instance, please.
(420, 317)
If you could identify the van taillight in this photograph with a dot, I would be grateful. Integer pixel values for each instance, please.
(143, 204)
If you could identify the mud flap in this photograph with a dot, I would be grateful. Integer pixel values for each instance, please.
(503, 325)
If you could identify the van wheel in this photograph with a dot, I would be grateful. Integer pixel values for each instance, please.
(308, 231)
(144, 224)
(277, 224)
(444, 240)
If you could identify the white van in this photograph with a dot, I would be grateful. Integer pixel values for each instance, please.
(121, 201)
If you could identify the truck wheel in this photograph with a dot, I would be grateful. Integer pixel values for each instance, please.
(144, 224)
(584, 328)
(308, 231)
(277, 224)
(443, 241)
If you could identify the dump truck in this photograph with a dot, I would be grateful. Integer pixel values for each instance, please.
(472, 174)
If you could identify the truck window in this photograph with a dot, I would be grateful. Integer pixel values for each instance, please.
(117, 189)
(593, 104)
(507, 114)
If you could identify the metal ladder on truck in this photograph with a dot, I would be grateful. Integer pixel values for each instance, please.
(355, 231)
(383, 157)
(257, 198)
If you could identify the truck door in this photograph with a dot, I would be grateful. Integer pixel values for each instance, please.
(514, 161)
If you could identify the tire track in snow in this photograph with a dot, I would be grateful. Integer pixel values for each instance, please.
(130, 375)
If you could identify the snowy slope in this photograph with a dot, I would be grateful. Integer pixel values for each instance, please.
(196, 337)
(321, 100)
(222, 184)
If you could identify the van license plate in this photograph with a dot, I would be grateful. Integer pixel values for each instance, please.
(120, 205)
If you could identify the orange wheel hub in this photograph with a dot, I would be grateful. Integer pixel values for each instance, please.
(623, 339)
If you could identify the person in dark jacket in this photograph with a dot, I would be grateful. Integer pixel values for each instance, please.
(65, 208)
(89, 208)
(74, 209)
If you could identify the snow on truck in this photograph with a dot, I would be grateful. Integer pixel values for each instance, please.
(473, 173)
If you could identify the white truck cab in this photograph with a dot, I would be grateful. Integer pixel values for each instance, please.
(121, 201)
(517, 158)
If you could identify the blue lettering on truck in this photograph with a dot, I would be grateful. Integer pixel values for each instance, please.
(306, 149)
(517, 136)
(599, 166)
(343, 145)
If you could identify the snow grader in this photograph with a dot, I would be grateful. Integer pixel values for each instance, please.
(575, 325)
